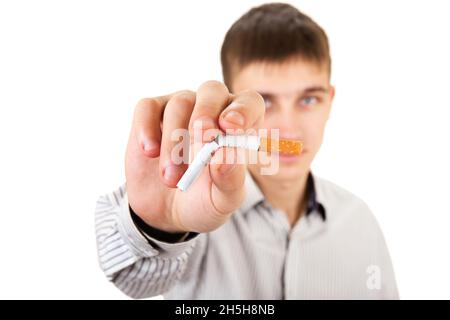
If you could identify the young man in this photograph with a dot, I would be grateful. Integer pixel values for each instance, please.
(236, 233)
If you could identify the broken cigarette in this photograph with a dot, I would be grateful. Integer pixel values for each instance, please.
(282, 146)
(288, 147)
(256, 143)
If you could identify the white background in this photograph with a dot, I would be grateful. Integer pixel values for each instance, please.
(72, 71)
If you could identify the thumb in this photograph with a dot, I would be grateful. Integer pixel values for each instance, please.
(227, 171)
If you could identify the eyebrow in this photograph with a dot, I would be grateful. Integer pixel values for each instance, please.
(299, 93)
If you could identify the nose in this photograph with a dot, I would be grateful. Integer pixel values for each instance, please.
(289, 125)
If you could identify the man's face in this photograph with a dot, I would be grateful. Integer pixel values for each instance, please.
(298, 98)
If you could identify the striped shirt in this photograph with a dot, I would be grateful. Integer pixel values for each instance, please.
(334, 251)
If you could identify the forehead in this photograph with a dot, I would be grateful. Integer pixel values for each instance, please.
(281, 78)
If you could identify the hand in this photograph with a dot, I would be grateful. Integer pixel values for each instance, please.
(152, 176)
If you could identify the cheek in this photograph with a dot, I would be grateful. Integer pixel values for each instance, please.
(313, 134)
(308, 127)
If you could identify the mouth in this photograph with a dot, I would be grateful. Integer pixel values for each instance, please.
(289, 158)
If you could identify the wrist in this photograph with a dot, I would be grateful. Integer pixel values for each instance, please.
(166, 234)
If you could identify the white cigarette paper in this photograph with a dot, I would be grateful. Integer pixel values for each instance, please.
(204, 156)
(243, 141)
(195, 168)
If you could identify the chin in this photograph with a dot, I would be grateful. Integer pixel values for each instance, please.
(285, 172)
(290, 171)
(289, 168)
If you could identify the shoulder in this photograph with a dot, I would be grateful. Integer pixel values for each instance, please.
(342, 205)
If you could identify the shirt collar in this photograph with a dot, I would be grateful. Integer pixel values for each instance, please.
(313, 203)
(255, 196)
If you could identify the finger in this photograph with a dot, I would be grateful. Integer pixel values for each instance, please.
(212, 98)
(174, 154)
(245, 111)
(227, 171)
(146, 124)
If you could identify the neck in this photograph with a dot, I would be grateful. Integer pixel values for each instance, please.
(288, 196)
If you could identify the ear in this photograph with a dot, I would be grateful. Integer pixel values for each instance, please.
(331, 93)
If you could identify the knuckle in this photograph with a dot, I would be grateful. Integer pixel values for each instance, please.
(253, 95)
(214, 85)
(180, 106)
(184, 99)
(256, 99)
(146, 104)
(185, 92)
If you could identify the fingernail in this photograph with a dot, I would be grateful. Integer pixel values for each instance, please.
(150, 146)
(234, 117)
(171, 173)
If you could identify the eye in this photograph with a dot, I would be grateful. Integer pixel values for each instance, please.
(267, 102)
(309, 100)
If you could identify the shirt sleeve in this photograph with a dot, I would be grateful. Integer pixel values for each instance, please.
(383, 269)
(140, 266)
(389, 284)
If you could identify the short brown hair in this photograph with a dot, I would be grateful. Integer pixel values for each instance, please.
(273, 32)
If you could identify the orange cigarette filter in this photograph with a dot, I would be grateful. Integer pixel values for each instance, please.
(287, 147)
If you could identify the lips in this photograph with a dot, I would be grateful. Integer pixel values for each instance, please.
(288, 158)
